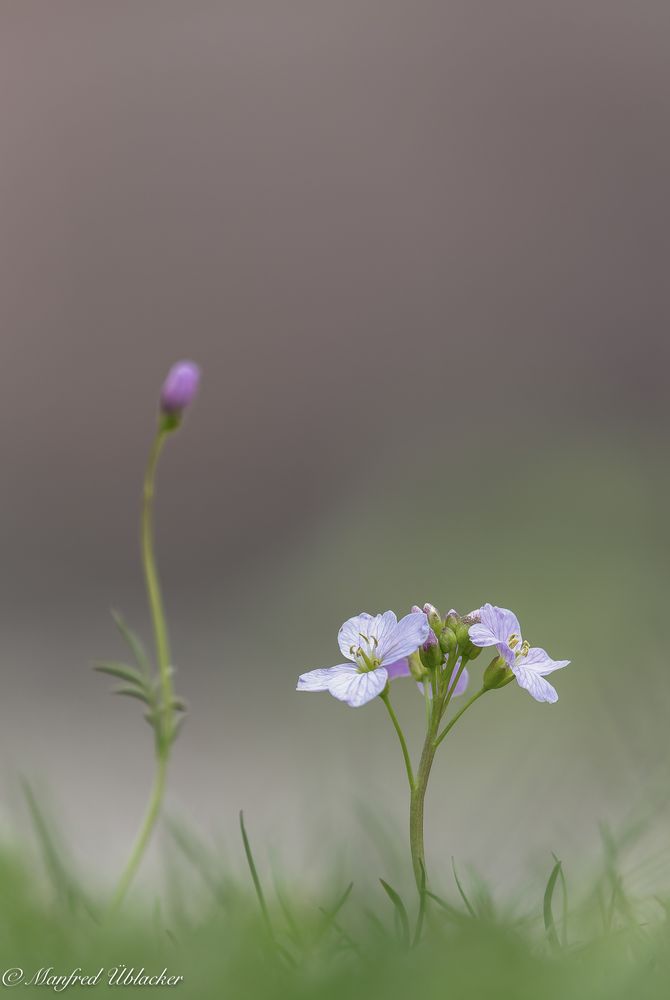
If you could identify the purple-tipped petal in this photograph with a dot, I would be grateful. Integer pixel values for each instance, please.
(398, 669)
(180, 387)
(357, 689)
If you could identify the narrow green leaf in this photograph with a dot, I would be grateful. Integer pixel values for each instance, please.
(133, 692)
(564, 915)
(332, 913)
(461, 890)
(122, 671)
(134, 642)
(447, 907)
(400, 910)
(254, 877)
(549, 924)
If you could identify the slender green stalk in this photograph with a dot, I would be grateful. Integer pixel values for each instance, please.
(164, 724)
(418, 792)
(143, 836)
(417, 797)
(154, 588)
(401, 736)
(452, 722)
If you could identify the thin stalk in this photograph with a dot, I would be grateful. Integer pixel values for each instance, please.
(452, 685)
(401, 736)
(143, 836)
(417, 797)
(452, 722)
(164, 725)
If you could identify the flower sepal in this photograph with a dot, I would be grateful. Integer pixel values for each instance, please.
(497, 674)
(416, 667)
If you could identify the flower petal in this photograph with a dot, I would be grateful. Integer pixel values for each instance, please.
(317, 680)
(535, 684)
(398, 669)
(409, 633)
(463, 680)
(357, 689)
(538, 659)
(481, 635)
(507, 653)
(349, 636)
(501, 622)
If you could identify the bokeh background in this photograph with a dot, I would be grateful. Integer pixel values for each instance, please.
(421, 253)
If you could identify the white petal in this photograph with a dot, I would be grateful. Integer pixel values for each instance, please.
(316, 680)
(354, 629)
(534, 683)
(405, 637)
(538, 659)
(357, 689)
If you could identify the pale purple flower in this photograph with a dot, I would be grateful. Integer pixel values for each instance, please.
(530, 664)
(377, 646)
(180, 387)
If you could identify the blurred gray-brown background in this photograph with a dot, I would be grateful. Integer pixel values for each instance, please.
(420, 250)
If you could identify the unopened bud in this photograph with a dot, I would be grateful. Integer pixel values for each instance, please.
(433, 616)
(497, 674)
(430, 652)
(179, 388)
(448, 641)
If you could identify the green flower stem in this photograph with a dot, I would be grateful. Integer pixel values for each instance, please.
(417, 797)
(418, 793)
(154, 589)
(151, 815)
(401, 736)
(452, 722)
(163, 725)
(453, 684)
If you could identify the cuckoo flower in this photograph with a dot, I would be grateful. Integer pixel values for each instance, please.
(529, 664)
(377, 646)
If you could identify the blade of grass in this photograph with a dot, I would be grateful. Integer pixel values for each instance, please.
(333, 911)
(549, 923)
(447, 907)
(400, 911)
(259, 894)
(564, 915)
(461, 890)
(58, 870)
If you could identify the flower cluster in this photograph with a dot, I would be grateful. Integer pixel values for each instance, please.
(433, 650)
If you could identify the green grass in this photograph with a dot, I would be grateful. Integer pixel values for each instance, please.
(241, 934)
